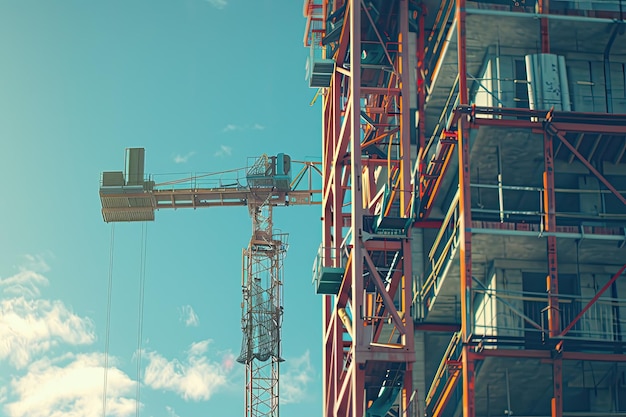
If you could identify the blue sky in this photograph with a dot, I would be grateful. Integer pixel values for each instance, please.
(203, 86)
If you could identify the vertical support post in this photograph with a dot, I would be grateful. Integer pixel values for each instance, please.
(465, 218)
(356, 221)
(557, 387)
(554, 325)
(544, 8)
(407, 393)
(327, 231)
(409, 338)
(421, 84)
(358, 391)
(406, 195)
(552, 282)
(332, 236)
(405, 108)
(328, 374)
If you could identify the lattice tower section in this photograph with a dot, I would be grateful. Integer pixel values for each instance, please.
(262, 312)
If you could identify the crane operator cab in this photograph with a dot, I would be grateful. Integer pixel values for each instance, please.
(270, 172)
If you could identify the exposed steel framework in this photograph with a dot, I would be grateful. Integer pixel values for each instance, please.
(466, 350)
(367, 133)
(129, 196)
(367, 207)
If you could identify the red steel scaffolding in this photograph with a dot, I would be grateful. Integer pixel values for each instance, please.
(474, 218)
(365, 258)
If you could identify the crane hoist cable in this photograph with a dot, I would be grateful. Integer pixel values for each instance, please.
(108, 321)
(142, 285)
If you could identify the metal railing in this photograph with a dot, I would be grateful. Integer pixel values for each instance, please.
(319, 263)
(517, 313)
(439, 256)
(453, 353)
(493, 206)
(436, 41)
(496, 202)
(230, 179)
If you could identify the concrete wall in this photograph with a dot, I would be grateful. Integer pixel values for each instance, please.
(501, 77)
(501, 315)
(498, 315)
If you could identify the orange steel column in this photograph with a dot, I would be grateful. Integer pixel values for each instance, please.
(359, 346)
(406, 196)
(465, 218)
(552, 281)
(332, 229)
(421, 83)
(543, 8)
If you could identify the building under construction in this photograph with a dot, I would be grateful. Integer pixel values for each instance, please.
(474, 210)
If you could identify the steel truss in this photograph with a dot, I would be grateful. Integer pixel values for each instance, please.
(367, 203)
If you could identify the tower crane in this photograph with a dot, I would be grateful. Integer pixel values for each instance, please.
(130, 196)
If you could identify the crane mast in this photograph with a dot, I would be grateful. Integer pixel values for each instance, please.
(130, 196)
(262, 311)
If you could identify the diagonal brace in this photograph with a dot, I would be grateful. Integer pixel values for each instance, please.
(593, 300)
(383, 291)
(553, 131)
(509, 305)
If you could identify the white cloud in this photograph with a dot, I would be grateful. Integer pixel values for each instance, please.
(188, 316)
(295, 379)
(29, 278)
(170, 411)
(42, 385)
(197, 378)
(30, 326)
(70, 386)
(230, 128)
(224, 151)
(218, 4)
(181, 159)
(25, 283)
(37, 262)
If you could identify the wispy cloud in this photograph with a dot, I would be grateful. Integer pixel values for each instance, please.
(3, 394)
(181, 159)
(42, 384)
(70, 386)
(29, 278)
(218, 4)
(295, 379)
(188, 316)
(37, 262)
(196, 378)
(224, 151)
(31, 326)
(170, 411)
(25, 283)
(232, 127)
